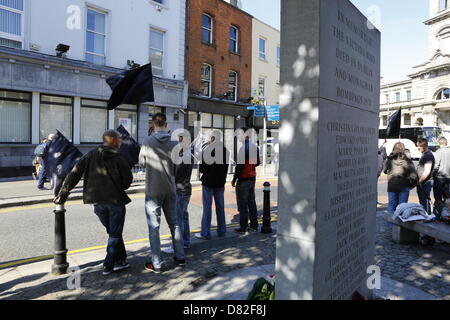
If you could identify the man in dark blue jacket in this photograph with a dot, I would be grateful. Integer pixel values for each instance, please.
(214, 169)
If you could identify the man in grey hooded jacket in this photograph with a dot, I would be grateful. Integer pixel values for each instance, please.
(160, 191)
(441, 173)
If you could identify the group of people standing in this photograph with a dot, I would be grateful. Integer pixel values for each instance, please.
(169, 164)
(431, 173)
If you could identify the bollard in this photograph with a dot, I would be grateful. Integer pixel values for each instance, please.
(60, 264)
(266, 228)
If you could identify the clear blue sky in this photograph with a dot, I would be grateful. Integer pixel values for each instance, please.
(404, 36)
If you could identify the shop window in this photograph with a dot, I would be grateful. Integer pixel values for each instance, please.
(15, 117)
(94, 120)
(55, 113)
(126, 115)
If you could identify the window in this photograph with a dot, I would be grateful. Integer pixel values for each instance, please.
(397, 97)
(157, 52)
(206, 119)
(55, 113)
(126, 115)
(232, 85)
(442, 4)
(408, 95)
(96, 37)
(234, 36)
(207, 28)
(443, 94)
(94, 120)
(159, 1)
(262, 48)
(261, 87)
(278, 55)
(384, 120)
(229, 122)
(218, 121)
(15, 117)
(386, 98)
(11, 23)
(407, 120)
(205, 86)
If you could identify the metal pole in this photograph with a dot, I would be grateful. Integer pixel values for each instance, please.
(265, 140)
(266, 228)
(60, 264)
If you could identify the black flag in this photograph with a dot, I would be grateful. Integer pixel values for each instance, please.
(131, 87)
(129, 147)
(60, 158)
(394, 124)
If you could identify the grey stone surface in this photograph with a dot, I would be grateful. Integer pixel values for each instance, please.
(404, 236)
(396, 290)
(330, 78)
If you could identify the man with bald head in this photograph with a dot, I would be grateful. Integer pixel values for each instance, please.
(107, 174)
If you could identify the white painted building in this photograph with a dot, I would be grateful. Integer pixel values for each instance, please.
(266, 44)
(265, 63)
(425, 96)
(41, 92)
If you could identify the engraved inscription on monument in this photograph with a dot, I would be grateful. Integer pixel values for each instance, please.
(328, 206)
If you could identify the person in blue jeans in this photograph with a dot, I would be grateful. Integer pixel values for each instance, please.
(183, 173)
(107, 174)
(160, 191)
(425, 171)
(402, 176)
(214, 168)
(244, 181)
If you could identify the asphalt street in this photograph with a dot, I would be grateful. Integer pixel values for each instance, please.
(29, 233)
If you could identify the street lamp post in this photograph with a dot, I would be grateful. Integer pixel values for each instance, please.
(60, 264)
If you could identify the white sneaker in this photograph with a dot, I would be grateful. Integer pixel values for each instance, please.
(199, 236)
(168, 249)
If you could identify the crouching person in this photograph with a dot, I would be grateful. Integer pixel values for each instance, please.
(107, 175)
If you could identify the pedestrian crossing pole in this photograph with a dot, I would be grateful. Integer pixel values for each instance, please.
(266, 228)
(60, 264)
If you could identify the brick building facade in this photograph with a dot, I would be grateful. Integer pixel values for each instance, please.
(218, 66)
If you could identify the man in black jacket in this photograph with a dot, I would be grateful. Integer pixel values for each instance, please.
(214, 169)
(107, 174)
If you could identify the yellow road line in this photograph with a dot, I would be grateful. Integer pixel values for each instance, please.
(164, 237)
(79, 202)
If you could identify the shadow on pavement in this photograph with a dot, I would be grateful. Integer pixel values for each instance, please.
(203, 261)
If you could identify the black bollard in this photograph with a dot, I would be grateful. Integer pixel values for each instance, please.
(60, 264)
(266, 228)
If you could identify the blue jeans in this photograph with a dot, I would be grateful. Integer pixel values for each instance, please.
(396, 198)
(439, 187)
(42, 176)
(246, 202)
(113, 219)
(423, 191)
(153, 206)
(207, 197)
(183, 217)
